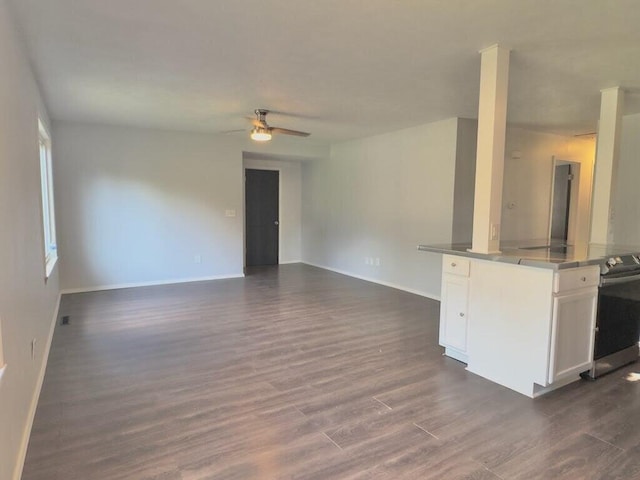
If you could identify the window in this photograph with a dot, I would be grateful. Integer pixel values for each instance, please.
(48, 216)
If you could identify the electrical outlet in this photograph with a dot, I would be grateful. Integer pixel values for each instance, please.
(377, 261)
(197, 258)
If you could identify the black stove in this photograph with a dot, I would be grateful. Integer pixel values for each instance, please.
(621, 264)
(618, 317)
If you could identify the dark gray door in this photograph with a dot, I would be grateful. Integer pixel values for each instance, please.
(561, 199)
(261, 216)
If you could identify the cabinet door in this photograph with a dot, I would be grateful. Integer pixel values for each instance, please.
(453, 318)
(572, 335)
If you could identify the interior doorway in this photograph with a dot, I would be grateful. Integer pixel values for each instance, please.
(262, 191)
(564, 202)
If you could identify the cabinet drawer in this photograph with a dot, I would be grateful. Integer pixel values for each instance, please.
(575, 278)
(455, 265)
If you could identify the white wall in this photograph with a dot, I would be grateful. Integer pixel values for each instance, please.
(380, 197)
(139, 206)
(626, 195)
(27, 303)
(289, 203)
(528, 182)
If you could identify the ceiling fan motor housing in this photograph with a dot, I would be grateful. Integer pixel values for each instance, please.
(261, 115)
(262, 127)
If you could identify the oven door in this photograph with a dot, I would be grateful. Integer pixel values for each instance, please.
(618, 318)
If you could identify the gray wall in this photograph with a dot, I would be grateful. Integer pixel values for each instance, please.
(139, 206)
(465, 180)
(379, 197)
(626, 194)
(27, 301)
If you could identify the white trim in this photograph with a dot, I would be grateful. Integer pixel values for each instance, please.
(290, 261)
(539, 390)
(50, 264)
(456, 355)
(22, 453)
(49, 244)
(3, 365)
(118, 286)
(375, 280)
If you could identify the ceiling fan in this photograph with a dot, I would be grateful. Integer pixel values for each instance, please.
(262, 132)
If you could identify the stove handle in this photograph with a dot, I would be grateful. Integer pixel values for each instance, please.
(604, 281)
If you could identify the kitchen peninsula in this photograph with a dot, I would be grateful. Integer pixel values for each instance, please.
(525, 317)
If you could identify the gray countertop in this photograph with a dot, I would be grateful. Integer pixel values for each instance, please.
(537, 253)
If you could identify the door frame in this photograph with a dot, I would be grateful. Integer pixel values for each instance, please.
(574, 197)
(244, 211)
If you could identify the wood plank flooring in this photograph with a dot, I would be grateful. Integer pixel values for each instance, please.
(299, 373)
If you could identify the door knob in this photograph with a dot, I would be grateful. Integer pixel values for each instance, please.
(276, 222)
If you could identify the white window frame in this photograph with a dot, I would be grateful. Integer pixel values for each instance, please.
(3, 366)
(48, 210)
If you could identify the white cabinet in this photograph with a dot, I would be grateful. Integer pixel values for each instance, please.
(528, 328)
(573, 324)
(453, 307)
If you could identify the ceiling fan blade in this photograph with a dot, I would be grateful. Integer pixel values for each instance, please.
(253, 121)
(286, 131)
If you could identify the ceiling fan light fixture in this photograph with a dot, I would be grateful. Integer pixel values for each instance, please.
(260, 134)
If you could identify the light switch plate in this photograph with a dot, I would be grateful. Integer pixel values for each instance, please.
(495, 229)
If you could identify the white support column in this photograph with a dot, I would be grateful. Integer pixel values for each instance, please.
(609, 128)
(492, 124)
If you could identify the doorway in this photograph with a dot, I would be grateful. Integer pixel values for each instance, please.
(262, 190)
(564, 200)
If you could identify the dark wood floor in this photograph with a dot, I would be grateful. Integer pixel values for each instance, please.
(296, 372)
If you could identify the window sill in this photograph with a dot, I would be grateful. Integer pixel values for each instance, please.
(49, 266)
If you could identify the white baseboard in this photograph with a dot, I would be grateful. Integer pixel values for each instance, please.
(97, 288)
(290, 261)
(22, 453)
(375, 280)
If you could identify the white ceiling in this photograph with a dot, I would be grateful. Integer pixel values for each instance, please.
(337, 68)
